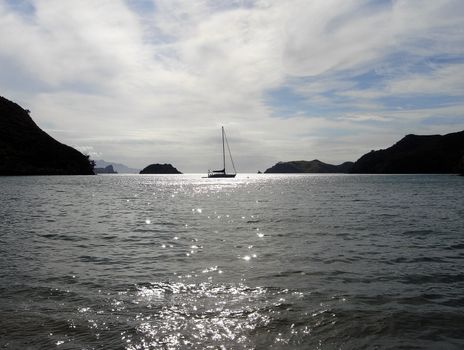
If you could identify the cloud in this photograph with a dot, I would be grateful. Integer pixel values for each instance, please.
(365, 117)
(88, 150)
(151, 81)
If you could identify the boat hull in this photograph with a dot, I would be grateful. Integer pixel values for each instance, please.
(221, 175)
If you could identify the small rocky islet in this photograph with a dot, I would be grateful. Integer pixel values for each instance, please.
(160, 169)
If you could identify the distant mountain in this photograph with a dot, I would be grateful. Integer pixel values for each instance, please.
(25, 149)
(416, 154)
(160, 169)
(120, 168)
(106, 170)
(313, 166)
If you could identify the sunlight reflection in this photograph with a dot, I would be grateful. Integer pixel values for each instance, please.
(199, 314)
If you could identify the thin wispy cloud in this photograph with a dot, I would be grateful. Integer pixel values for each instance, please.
(151, 81)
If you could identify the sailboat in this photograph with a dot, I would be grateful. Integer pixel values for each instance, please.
(222, 172)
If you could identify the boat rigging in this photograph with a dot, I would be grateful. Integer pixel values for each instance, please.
(223, 172)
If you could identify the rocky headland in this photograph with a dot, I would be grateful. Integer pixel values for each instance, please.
(25, 149)
(160, 169)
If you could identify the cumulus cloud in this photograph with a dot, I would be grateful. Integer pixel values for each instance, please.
(153, 81)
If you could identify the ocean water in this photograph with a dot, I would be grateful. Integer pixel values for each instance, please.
(255, 262)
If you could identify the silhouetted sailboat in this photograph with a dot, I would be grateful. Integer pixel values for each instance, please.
(222, 172)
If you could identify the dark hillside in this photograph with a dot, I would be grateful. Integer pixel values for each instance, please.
(416, 154)
(25, 149)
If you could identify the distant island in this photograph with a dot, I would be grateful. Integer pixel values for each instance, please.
(25, 149)
(118, 167)
(430, 154)
(160, 169)
(313, 166)
(106, 170)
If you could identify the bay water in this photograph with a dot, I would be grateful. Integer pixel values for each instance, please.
(255, 262)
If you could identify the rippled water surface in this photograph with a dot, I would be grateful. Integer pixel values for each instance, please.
(259, 261)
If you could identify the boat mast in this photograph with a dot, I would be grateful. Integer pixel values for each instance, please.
(230, 153)
(223, 151)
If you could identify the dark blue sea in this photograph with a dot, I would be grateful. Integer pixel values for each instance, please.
(256, 262)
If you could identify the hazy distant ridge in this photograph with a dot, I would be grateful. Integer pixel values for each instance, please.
(118, 167)
(106, 170)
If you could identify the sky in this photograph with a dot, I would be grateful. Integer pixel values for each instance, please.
(148, 81)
